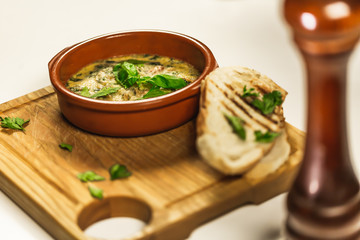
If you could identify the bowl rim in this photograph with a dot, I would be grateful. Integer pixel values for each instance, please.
(143, 104)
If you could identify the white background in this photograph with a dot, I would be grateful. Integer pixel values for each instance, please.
(249, 33)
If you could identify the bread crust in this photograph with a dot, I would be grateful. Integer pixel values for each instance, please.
(221, 93)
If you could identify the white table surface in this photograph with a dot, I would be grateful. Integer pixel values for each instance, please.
(250, 33)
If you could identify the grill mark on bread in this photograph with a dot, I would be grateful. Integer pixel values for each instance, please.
(236, 93)
(240, 96)
(229, 86)
(239, 99)
(261, 90)
(243, 109)
(252, 121)
(271, 118)
(234, 114)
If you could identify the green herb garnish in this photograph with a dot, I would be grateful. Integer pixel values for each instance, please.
(237, 125)
(126, 75)
(104, 92)
(66, 146)
(118, 171)
(265, 137)
(13, 123)
(168, 81)
(155, 92)
(249, 92)
(268, 102)
(96, 192)
(89, 176)
(135, 61)
(101, 93)
(85, 92)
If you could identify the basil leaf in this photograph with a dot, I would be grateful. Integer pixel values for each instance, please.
(132, 80)
(237, 125)
(85, 92)
(117, 67)
(168, 81)
(118, 171)
(104, 92)
(13, 123)
(126, 74)
(155, 92)
(268, 103)
(121, 77)
(143, 80)
(144, 83)
(265, 137)
(249, 92)
(89, 176)
(96, 192)
(130, 68)
(66, 146)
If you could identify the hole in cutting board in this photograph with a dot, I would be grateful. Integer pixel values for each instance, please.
(114, 217)
(115, 228)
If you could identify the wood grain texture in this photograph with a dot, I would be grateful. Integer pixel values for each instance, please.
(171, 188)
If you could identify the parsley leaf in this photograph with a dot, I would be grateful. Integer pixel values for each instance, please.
(66, 146)
(265, 137)
(249, 92)
(96, 192)
(13, 123)
(268, 103)
(119, 171)
(237, 125)
(89, 176)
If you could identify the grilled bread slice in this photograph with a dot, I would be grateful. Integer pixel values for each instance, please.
(222, 95)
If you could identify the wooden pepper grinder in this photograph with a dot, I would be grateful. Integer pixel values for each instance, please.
(324, 202)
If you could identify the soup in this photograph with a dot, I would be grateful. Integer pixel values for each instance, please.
(132, 77)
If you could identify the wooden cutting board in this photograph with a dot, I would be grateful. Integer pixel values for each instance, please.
(171, 188)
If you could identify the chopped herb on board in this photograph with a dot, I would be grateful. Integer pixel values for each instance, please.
(96, 192)
(265, 137)
(118, 171)
(13, 123)
(66, 146)
(89, 176)
(268, 102)
(237, 125)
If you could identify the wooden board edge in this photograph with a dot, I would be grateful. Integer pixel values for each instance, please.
(261, 191)
(29, 206)
(33, 96)
(47, 222)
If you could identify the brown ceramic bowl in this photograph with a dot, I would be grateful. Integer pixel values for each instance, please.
(133, 118)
